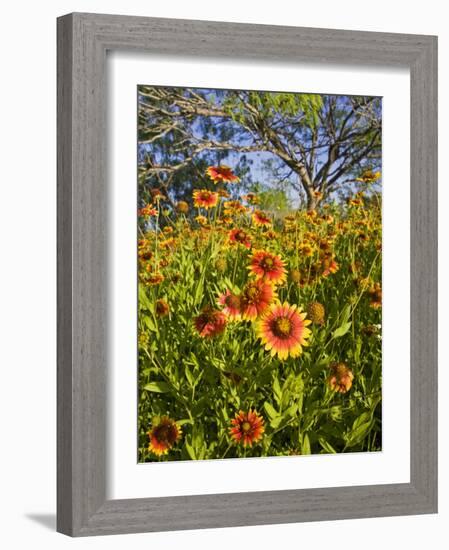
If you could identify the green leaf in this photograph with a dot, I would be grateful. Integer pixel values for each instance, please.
(270, 410)
(358, 349)
(189, 377)
(276, 422)
(191, 451)
(345, 314)
(143, 299)
(198, 441)
(149, 323)
(341, 330)
(184, 421)
(157, 387)
(360, 428)
(291, 411)
(326, 445)
(277, 390)
(305, 445)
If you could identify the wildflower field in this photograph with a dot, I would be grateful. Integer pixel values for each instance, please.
(259, 314)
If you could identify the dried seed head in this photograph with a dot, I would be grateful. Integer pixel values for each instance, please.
(316, 313)
(221, 265)
(295, 275)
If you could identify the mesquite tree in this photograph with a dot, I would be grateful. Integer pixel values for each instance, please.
(318, 143)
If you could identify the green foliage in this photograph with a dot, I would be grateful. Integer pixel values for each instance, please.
(202, 383)
(304, 108)
(272, 199)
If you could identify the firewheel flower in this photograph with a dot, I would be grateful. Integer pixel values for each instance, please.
(234, 207)
(255, 299)
(247, 428)
(210, 322)
(329, 266)
(230, 303)
(252, 198)
(268, 266)
(306, 250)
(202, 220)
(157, 194)
(162, 308)
(283, 330)
(368, 176)
(147, 211)
(238, 236)
(163, 435)
(222, 173)
(204, 198)
(340, 378)
(261, 219)
(375, 294)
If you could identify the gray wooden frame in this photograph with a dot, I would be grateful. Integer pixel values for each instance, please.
(83, 40)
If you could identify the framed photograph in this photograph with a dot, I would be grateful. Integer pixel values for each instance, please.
(247, 274)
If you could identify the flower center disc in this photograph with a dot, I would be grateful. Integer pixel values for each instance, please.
(246, 426)
(252, 292)
(282, 326)
(162, 433)
(267, 263)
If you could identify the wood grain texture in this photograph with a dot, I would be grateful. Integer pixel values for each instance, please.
(83, 40)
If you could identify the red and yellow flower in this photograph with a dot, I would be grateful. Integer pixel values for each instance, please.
(167, 243)
(210, 322)
(261, 219)
(329, 266)
(239, 236)
(247, 428)
(147, 211)
(306, 250)
(164, 434)
(202, 220)
(255, 299)
(230, 304)
(162, 308)
(283, 330)
(205, 198)
(251, 198)
(225, 220)
(222, 174)
(153, 279)
(270, 235)
(157, 194)
(223, 193)
(375, 294)
(268, 266)
(340, 378)
(234, 207)
(368, 176)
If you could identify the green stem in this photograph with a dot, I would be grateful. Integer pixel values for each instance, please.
(227, 450)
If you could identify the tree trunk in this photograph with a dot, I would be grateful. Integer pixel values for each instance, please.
(304, 180)
(312, 201)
